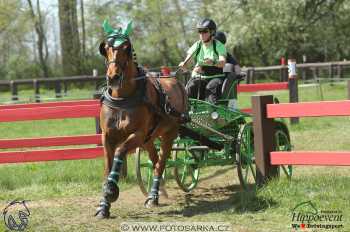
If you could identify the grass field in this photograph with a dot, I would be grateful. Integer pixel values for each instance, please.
(64, 193)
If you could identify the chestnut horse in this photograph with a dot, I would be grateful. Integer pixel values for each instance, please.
(132, 116)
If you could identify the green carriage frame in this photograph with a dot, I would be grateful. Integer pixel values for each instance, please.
(230, 130)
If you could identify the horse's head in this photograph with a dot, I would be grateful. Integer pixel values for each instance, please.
(117, 56)
(117, 51)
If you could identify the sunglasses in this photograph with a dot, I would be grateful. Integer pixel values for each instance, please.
(203, 31)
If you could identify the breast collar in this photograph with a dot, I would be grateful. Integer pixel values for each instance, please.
(126, 102)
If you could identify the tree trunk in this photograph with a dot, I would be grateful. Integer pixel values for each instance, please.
(262, 52)
(41, 36)
(83, 39)
(69, 36)
(182, 23)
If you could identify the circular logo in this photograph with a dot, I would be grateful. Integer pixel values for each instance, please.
(16, 215)
(124, 227)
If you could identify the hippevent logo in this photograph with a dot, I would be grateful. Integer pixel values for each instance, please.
(306, 217)
(16, 215)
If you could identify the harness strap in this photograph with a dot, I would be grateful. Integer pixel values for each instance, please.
(165, 105)
(140, 97)
(128, 102)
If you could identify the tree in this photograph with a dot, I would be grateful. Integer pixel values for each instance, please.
(69, 37)
(16, 53)
(83, 39)
(261, 31)
(41, 42)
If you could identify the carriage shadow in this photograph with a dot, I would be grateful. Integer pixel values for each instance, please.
(218, 172)
(232, 199)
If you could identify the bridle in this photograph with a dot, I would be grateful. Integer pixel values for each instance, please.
(121, 70)
(121, 66)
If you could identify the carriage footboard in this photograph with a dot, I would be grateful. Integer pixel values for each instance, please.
(203, 140)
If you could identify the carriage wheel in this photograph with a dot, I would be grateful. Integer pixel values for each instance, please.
(283, 144)
(245, 157)
(144, 171)
(245, 153)
(186, 169)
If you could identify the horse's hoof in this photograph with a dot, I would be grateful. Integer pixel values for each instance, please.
(111, 192)
(151, 202)
(102, 213)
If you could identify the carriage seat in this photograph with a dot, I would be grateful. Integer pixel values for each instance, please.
(230, 77)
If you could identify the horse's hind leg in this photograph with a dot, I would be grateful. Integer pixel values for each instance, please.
(166, 146)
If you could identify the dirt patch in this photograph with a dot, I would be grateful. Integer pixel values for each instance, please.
(213, 194)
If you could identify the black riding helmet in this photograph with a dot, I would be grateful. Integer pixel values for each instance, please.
(207, 24)
(219, 35)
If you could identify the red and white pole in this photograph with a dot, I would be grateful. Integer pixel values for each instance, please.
(293, 85)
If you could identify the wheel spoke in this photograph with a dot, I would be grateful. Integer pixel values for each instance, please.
(287, 170)
(246, 165)
(149, 179)
(253, 171)
(184, 174)
(277, 141)
(246, 175)
(283, 144)
(193, 177)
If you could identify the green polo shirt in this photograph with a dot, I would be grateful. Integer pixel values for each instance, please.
(207, 52)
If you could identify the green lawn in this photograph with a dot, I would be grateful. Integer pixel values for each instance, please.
(268, 209)
(27, 95)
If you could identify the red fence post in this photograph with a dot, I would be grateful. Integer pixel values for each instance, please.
(349, 90)
(293, 86)
(263, 139)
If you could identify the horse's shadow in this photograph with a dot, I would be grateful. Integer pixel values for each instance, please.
(231, 199)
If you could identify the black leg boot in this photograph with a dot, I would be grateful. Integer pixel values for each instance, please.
(153, 197)
(111, 189)
(102, 211)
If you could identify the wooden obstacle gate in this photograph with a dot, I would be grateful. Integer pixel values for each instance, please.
(44, 111)
(291, 86)
(264, 112)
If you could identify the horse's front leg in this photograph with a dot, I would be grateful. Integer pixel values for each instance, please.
(166, 146)
(111, 189)
(108, 150)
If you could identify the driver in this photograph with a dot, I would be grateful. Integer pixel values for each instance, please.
(209, 56)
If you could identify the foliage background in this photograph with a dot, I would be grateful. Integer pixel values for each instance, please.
(259, 32)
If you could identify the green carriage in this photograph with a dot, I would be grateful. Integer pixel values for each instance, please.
(217, 135)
